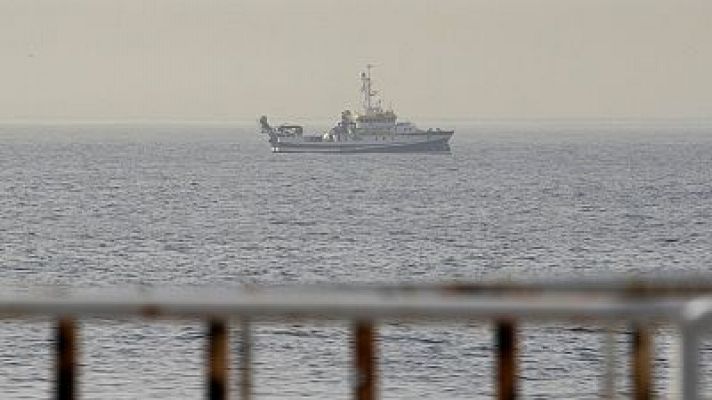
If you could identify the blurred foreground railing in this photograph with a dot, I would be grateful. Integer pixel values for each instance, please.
(687, 305)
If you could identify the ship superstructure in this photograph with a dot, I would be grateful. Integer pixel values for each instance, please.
(371, 131)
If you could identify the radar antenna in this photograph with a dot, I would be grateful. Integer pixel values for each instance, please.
(367, 90)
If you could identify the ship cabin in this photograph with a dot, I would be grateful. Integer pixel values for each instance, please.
(376, 122)
(383, 122)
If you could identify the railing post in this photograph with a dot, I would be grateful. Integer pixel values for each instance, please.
(66, 363)
(641, 369)
(217, 360)
(246, 361)
(364, 385)
(506, 354)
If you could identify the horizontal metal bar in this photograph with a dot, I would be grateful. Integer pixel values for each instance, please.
(661, 286)
(353, 305)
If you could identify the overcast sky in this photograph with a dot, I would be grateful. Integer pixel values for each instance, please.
(234, 60)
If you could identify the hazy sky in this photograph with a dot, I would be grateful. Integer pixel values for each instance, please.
(235, 60)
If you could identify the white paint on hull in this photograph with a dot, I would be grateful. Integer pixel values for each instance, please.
(434, 143)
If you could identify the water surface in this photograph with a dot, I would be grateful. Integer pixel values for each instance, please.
(107, 205)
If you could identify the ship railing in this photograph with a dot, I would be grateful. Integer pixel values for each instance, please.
(641, 305)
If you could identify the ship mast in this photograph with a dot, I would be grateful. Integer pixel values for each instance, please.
(368, 92)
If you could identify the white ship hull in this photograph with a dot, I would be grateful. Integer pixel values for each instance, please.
(435, 142)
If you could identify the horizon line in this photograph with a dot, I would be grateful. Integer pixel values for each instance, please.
(151, 121)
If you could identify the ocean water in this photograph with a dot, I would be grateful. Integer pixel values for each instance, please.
(206, 205)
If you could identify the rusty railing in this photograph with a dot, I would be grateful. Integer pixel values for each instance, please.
(688, 305)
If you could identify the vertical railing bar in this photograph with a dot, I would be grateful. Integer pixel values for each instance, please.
(689, 341)
(674, 356)
(364, 375)
(66, 359)
(641, 367)
(245, 360)
(610, 352)
(217, 360)
(506, 356)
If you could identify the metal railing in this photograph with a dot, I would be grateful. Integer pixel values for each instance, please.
(687, 305)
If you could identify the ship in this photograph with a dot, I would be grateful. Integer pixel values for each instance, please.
(373, 130)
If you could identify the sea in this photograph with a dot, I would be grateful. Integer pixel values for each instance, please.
(141, 206)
